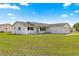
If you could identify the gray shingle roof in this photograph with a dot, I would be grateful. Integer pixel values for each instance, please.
(5, 24)
(58, 24)
(38, 24)
(41, 24)
(23, 23)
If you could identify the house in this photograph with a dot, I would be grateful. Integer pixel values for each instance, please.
(59, 28)
(5, 27)
(28, 28)
(38, 28)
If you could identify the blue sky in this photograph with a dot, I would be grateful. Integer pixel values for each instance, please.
(39, 12)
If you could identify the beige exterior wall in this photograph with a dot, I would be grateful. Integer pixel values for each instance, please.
(15, 29)
(53, 29)
(30, 31)
(24, 29)
(59, 29)
(67, 28)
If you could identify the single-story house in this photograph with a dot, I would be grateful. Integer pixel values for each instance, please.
(5, 27)
(37, 28)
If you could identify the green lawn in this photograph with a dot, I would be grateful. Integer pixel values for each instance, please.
(75, 33)
(39, 45)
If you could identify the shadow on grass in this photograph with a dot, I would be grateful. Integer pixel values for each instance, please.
(25, 34)
(15, 34)
(34, 34)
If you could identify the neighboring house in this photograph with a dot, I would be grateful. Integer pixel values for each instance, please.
(37, 28)
(5, 27)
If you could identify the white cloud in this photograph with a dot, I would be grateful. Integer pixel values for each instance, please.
(76, 11)
(33, 12)
(71, 14)
(40, 1)
(9, 6)
(26, 4)
(13, 17)
(65, 16)
(11, 14)
(67, 4)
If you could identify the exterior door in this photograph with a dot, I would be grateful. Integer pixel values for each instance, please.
(37, 30)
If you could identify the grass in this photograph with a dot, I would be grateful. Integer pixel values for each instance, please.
(39, 45)
(75, 33)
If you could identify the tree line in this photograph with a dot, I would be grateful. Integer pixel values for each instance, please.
(76, 25)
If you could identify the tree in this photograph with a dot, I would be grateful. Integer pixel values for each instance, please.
(76, 25)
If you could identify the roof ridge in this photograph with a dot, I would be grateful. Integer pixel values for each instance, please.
(60, 23)
(36, 22)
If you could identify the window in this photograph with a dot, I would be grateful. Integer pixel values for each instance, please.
(30, 28)
(42, 29)
(6, 28)
(19, 28)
